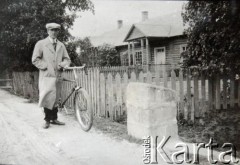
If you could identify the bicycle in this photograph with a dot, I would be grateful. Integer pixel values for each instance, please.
(82, 105)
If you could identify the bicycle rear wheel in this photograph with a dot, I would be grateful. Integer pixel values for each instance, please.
(83, 109)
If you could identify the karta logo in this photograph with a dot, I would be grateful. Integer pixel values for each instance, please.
(152, 148)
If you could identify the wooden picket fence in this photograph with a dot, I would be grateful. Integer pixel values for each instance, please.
(158, 68)
(5, 80)
(197, 93)
(26, 84)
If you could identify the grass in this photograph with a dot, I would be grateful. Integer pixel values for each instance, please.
(221, 125)
(114, 129)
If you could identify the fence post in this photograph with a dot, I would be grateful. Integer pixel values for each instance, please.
(92, 90)
(165, 79)
(225, 93)
(141, 78)
(97, 92)
(133, 77)
(110, 95)
(149, 77)
(203, 93)
(24, 85)
(181, 100)
(15, 87)
(189, 96)
(196, 96)
(124, 86)
(31, 77)
(36, 77)
(238, 81)
(102, 95)
(157, 77)
(232, 90)
(218, 101)
(119, 95)
(94, 80)
(173, 80)
(210, 92)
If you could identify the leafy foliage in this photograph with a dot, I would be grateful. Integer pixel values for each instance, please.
(213, 35)
(79, 58)
(23, 24)
(86, 53)
(107, 56)
(71, 48)
(104, 55)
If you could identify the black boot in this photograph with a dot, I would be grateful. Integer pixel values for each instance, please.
(47, 118)
(54, 117)
(46, 125)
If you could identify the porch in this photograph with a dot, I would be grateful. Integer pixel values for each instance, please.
(155, 51)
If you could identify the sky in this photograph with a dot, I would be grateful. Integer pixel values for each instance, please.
(107, 12)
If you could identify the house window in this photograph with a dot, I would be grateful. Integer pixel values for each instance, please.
(160, 50)
(131, 59)
(124, 58)
(138, 58)
(137, 44)
(183, 49)
(125, 62)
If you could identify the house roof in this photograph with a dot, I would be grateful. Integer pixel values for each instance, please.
(114, 37)
(164, 26)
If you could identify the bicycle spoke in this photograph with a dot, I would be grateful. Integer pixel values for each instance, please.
(87, 117)
(82, 104)
(84, 116)
(83, 110)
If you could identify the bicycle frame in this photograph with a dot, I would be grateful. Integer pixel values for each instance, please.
(75, 88)
(82, 107)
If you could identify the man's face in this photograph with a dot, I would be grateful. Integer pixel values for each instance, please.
(53, 33)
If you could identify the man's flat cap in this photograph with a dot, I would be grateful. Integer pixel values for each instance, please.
(53, 26)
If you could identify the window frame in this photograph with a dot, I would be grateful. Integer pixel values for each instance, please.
(139, 58)
(181, 51)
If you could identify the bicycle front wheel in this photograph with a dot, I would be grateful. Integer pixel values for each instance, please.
(83, 109)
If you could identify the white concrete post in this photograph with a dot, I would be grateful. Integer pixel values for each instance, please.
(151, 111)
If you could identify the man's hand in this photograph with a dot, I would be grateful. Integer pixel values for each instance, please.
(61, 68)
(64, 68)
(44, 69)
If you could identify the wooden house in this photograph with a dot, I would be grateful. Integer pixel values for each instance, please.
(157, 41)
(151, 42)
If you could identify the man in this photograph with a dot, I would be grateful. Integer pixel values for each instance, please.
(50, 56)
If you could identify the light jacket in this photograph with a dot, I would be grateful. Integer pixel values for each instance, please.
(49, 61)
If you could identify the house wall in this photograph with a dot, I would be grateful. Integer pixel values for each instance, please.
(144, 57)
(172, 48)
(123, 53)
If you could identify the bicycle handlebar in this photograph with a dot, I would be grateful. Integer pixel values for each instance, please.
(74, 70)
(75, 67)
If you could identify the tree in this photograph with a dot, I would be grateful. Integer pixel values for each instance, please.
(104, 55)
(107, 56)
(79, 58)
(23, 24)
(71, 48)
(86, 52)
(213, 35)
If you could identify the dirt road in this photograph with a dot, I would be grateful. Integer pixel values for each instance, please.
(24, 141)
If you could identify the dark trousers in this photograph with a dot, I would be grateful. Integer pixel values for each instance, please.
(50, 114)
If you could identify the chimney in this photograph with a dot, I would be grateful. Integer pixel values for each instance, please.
(144, 15)
(120, 24)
